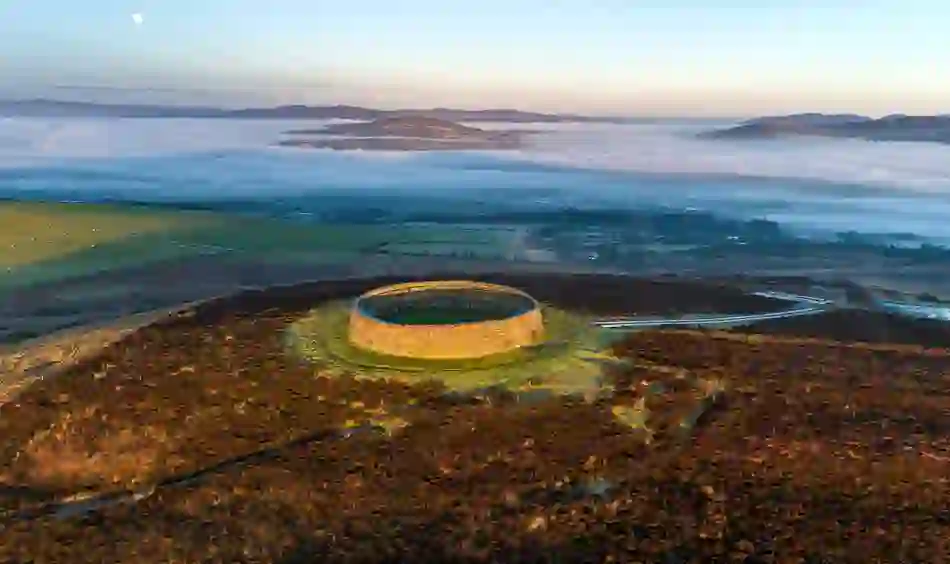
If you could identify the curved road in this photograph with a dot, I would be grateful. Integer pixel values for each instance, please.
(805, 305)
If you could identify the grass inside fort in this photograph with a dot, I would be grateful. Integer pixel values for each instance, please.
(445, 307)
(446, 316)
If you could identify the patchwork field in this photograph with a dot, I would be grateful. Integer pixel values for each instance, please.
(46, 242)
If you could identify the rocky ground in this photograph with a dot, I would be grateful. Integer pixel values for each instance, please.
(819, 451)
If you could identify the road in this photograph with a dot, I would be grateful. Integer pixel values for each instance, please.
(804, 305)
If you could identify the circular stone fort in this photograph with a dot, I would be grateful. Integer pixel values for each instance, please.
(445, 320)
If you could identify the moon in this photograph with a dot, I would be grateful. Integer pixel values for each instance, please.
(138, 18)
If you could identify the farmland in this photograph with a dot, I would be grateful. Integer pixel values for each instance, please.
(48, 242)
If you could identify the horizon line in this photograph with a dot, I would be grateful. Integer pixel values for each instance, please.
(442, 107)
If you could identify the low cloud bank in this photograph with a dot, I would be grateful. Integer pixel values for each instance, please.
(879, 187)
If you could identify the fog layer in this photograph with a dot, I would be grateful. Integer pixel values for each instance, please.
(810, 183)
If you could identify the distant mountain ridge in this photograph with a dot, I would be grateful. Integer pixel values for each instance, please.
(895, 127)
(57, 108)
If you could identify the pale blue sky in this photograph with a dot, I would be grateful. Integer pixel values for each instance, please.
(682, 57)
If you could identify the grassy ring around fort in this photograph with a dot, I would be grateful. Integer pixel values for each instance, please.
(565, 359)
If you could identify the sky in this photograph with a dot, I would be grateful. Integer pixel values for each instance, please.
(731, 58)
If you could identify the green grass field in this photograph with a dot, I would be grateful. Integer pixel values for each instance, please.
(36, 232)
(42, 242)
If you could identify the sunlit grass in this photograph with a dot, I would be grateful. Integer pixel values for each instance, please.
(42, 242)
(36, 232)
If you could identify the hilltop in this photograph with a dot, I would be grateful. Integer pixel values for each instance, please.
(897, 127)
(743, 432)
(401, 126)
(404, 133)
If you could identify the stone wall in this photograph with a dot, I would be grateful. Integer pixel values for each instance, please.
(455, 341)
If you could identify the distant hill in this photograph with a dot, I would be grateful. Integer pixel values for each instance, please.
(404, 133)
(56, 108)
(897, 127)
(401, 126)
